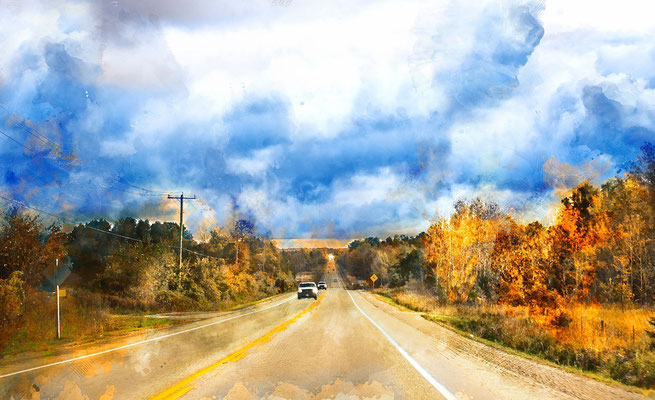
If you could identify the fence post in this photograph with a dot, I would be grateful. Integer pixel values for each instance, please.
(581, 326)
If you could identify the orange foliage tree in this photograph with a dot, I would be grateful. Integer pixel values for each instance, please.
(458, 248)
(580, 231)
(520, 257)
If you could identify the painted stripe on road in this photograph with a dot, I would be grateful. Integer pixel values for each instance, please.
(181, 388)
(444, 392)
(144, 341)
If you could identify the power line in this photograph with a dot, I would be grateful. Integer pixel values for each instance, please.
(16, 141)
(122, 181)
(29, 130)
(151, 193)
(20, 203)
(55, 145)
(31, 150)
(128, 191)
(200, 254)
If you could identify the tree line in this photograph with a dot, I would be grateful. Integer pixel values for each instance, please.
(600, 248)
(133, 264)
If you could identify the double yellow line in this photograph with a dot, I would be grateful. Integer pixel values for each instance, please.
(182, 387)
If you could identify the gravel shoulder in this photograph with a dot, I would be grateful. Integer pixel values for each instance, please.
(531, 373)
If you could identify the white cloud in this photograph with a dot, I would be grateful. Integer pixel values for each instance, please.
(321, 64)
(117, 148)
(256, 164)
(183, 71)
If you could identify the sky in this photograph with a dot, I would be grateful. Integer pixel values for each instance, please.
(335, 119)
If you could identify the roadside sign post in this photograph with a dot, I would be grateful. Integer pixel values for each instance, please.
(58, 320)
(373, 279)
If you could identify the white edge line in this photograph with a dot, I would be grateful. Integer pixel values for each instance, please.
(143, 341)
(444, 392)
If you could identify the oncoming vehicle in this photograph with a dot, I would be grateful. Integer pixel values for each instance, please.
(307, 289)
(322, 285)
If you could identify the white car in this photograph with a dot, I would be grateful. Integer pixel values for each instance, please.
(308, 289)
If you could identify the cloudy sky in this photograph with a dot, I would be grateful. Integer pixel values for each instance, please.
(318, 119)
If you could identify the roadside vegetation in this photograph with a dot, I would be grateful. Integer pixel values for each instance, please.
(579, 292)
(115, 281)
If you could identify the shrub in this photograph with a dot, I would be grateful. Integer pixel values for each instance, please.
(12, 296)
(175, 301)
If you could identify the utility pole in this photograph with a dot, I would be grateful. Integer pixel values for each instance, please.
(181, 198)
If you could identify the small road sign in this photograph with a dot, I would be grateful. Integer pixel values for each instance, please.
(374, 278)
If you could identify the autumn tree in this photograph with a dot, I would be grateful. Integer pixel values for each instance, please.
(28, 246)
(520, 256)
(580, 231)
(242, 229)
(90, 248)
(459, 248)
(626, 275)
(360, 258)
(642, 172)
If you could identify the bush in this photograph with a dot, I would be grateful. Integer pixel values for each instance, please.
(82, 315)
(12, 296)
(174, 301)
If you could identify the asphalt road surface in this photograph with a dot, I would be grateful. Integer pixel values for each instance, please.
(345, 345)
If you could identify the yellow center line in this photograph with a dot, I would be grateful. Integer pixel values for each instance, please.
(182, 387)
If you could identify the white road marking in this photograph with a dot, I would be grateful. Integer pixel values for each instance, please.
(444, 392)
(144, 341)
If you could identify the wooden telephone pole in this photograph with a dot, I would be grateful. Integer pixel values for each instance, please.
(181, 198)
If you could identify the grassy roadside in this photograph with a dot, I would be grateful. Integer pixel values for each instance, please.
(88, 328)
(114, 326)
(633, 365)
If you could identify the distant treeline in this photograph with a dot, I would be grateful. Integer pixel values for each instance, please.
(132, 264)
(601, 248)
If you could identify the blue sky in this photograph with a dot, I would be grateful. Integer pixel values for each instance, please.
(337, 119)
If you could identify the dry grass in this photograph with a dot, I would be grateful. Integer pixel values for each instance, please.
(583, 342)
(590, 326)
(85, 317)
(594, 327)
(415, 301)
(81, 321)
(603, 328)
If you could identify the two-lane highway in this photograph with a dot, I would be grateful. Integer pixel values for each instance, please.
(138, 368)
(346, 343)
(334, 349)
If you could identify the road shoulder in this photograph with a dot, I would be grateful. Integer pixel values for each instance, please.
(530, 370)
(186, 321)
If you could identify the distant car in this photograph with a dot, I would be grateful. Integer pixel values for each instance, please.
(334, 280)
(308, 289)
(322, 285)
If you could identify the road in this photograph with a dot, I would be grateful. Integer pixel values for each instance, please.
(347, 344)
